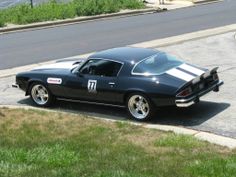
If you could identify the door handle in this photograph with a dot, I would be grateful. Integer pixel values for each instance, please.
(111, 83)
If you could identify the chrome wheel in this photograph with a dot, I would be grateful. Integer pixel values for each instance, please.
(40, 94)
(138, 107)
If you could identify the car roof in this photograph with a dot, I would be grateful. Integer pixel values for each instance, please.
(125, 54)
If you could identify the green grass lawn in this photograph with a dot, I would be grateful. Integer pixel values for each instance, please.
(24, 14)
(37, 143)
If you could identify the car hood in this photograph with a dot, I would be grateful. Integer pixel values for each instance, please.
(68, 65)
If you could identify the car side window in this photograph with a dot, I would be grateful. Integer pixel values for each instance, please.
(101, 67)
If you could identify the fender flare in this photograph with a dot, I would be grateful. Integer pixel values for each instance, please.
(30, 83)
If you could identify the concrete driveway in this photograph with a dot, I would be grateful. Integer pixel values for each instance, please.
(215, 113)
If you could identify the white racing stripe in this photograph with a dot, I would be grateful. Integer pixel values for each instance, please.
(180, 74)
(191, 69)
(60, 65)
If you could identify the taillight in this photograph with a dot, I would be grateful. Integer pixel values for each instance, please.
(185, 92)
(215, 76)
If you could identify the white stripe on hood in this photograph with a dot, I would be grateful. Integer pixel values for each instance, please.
(59, 65)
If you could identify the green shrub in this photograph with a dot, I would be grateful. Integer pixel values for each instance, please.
(24, 14)
(2, 22)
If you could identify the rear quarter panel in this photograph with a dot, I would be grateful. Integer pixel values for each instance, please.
(159, 89)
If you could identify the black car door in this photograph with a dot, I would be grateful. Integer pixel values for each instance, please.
(96, 80)
(76, 87)
(107, 90)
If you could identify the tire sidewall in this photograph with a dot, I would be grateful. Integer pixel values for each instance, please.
(50, 96)
(151, 107)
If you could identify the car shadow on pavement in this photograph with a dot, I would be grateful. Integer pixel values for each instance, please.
(191, 116)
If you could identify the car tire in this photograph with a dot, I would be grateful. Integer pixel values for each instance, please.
(139, 107)
(41, 95)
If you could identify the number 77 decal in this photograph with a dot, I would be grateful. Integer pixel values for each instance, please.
(92, 84)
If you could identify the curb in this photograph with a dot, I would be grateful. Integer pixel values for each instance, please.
(205, 1)
(78, 20)
(51, 24)
(201, 135)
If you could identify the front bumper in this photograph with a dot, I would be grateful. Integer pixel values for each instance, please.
(15, 85)
(195, 98)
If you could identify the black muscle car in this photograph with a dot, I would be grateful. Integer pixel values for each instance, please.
(136, 78)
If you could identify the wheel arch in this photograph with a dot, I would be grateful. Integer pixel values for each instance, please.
(30, 82)
(132, 91)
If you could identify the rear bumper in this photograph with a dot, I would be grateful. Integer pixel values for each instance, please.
(195, 98)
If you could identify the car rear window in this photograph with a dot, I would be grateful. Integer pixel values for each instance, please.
(156, 64)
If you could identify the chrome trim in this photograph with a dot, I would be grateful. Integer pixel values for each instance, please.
(90, 102)
(185, 104)
(40, 94)
(189, 101)
(103, 59)
(138, 108)
(143, 74)
(15, 85)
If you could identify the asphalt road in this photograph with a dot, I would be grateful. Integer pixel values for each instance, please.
(18, 49)
(8, 3)
(215, 113)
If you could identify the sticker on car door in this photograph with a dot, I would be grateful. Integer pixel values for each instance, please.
(92, 86)
(52, 80)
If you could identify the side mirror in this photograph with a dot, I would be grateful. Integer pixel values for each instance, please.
(79, 74)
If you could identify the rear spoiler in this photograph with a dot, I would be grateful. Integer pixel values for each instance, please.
(205, 75)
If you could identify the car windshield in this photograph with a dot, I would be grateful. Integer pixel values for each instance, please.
(156, 64)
